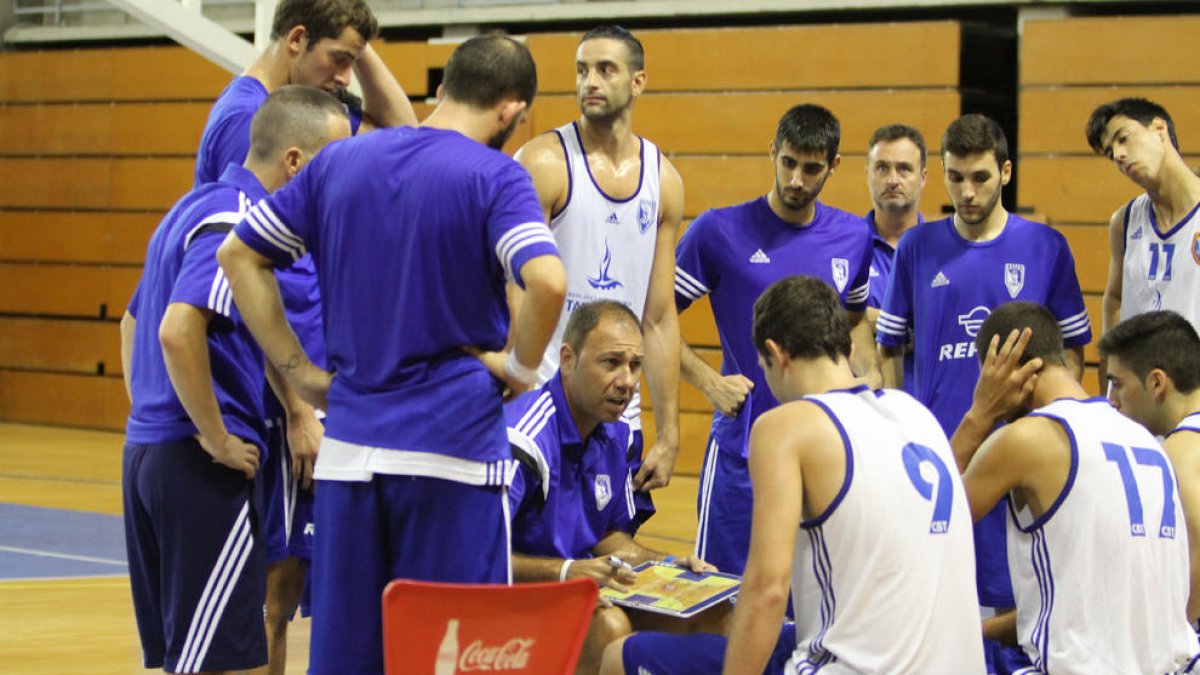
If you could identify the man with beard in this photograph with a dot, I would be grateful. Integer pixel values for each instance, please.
(734, 254)
(614, 204)
(895, 177)
(948, 277)
(413, 232)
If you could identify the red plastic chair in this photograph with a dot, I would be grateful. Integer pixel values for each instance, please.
(460, 628)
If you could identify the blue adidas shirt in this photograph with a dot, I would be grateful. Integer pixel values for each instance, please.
(181, 266)
(569, 492)
(942, 288)
(881, 271)
(734, 253)
(413, 232)
(226, 137)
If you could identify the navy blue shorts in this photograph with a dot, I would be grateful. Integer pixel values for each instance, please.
(394, 527)
(699, 654)
(287, 508)
(196, 565)
(724, 509)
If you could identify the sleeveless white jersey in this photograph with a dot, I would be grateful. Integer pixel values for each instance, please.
(1161, 271)
(1101, 579)
(884, 580)
(1189, 423)
(606, 244)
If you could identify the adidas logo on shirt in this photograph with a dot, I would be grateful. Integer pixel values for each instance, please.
(759, 257)
(939, 280)
(612, 219)
(1137, 234)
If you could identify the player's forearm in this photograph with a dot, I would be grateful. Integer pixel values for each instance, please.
(971, 432)
(1110, 315)
(545, 290)
(384, 100)
(662, 366)
(128, 331)
(183, 335)
(757, 619)
(529, 568)
(293, 406)
(622, 545)
(1002, 628)
(865, 361)
(694, 370)
(892, 366)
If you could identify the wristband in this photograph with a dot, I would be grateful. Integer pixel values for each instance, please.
(566, 566)
(518, 372)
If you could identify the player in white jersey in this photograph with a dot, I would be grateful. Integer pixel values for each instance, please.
(1154, 373)
(614, 204)
(857, 508)
(1154, 240)
(1097, 550)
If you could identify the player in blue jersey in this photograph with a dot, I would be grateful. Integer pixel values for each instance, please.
(1090, 502)
(195, 378)
(733, 254)
(413, 232)
(573, 499)
(313, 42)
(895, 178)
(949, 275)
(1154, 373)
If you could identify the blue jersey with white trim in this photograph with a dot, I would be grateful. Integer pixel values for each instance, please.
(226, 137)
(734, 253)
(569, 492)
(882, 260)
(181, 266)
(1102, 575)
(413, 232)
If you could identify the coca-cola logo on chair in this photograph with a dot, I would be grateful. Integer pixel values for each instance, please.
(512, 655)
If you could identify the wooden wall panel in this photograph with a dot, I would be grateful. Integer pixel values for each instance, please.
(102, 128)
(66, 290)
(112, 74)
(1089, 245)
(1052, 120)
(132, 183)
(1096, 50)
(76, 236)
(69, 400)
(86, 347)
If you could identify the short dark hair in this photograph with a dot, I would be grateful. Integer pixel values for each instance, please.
(1045, 343)
(804, 316)
(633, 46)
(975, 133)
(488, 69)
(1139, 110)
(324, 19)
(895, 132)
(293, 116)
(809, 127)
(1163, 340)
(587, 316)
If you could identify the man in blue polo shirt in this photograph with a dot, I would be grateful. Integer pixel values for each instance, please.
(734, 254)
(195, 379)
(572, 499)
(413, 232)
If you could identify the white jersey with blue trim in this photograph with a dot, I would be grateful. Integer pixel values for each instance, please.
(606, 244)
(1101, 578)
(892, 555)
(1161, 270)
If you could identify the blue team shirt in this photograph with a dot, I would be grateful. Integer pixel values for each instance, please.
(413, 232)
(942, 288)
(568, 492)
(734, 254)
(181, 266)
(881, 271)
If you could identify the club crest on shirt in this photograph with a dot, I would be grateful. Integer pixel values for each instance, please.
(647, 214)
(1014, 278)
(841, 272)
(603, 491)
(602, 281)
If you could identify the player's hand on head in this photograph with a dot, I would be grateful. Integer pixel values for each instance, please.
(1005, 385)
(304, 432)
(234, 453)
(657, 467)
(729, 394)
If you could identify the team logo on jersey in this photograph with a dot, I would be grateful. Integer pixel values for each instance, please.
(1014, 278)
(841, 272)
(647, 214)
(1196, 248)
(603, 282)
(760, 258)
(603, 491)
(939, 280)
(972, 320)
(612, 219)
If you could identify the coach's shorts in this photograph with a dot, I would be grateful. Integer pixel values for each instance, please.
(724, 508)
(394, 527)
(643, 502)
(698, 654)
(196, 566)
(287, 509)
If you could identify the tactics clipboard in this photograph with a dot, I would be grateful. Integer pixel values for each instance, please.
(675, 591)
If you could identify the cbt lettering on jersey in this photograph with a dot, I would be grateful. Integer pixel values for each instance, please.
(568, 492)
(892, 555)
(607, 244)
(734, 253)
(182, 267)
(402, 378)
(1161, 270)
(1120, 505)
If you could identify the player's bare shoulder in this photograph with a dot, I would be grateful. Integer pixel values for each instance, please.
(546, 161)
(670, 209)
